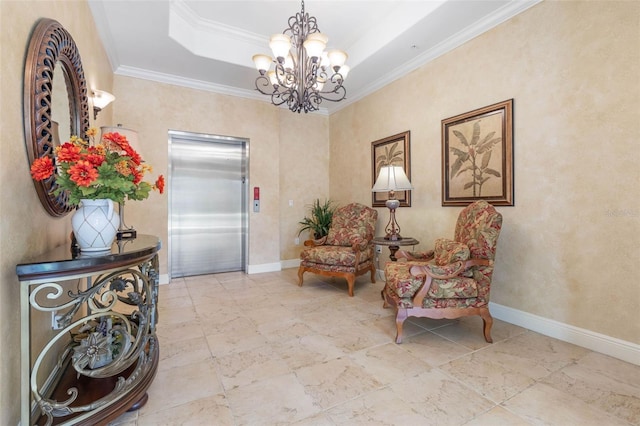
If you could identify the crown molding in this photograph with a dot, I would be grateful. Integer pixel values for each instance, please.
(211, 39)
(102, 25)
(501, 15)
(176, 80)
(198, 24)
(205, 86)
(498, 17)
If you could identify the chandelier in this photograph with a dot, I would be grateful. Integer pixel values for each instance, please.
(304, 74)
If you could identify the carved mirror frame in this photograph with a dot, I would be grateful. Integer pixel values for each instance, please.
(52, 49)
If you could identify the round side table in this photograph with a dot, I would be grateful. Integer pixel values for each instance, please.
(394, 245)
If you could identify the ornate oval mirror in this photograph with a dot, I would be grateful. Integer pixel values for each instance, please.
(53, 59)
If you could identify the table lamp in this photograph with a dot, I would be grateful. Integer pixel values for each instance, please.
(392, 179)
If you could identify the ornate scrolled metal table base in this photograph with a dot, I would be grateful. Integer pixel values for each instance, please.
(103, 353)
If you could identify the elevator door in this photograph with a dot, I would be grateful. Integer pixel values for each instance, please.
(208, 204)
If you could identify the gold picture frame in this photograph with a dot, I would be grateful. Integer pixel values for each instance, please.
(393, 150)
(477, 156)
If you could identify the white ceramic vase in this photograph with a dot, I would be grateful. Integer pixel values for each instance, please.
(95, 224)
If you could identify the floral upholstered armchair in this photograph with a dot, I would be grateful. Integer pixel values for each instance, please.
(347, 250)
(453, 279)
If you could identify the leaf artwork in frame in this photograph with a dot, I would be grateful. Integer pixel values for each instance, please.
(472, 162)
(477, 156)
(391, 151)
(392, 156)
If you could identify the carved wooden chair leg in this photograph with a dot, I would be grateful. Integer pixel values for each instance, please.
(300, 273)
(400, 317)
(385, 304)
(351, 278)
(487, 321)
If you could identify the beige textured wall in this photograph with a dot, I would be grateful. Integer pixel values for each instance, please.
(567, 247)
(304, 159)
(288, 157)
(154, 108)
(570, 244)
(26, 230)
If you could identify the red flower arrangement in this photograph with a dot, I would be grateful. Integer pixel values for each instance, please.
(111, 169)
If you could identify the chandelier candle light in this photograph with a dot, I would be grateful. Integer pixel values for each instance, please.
(392, 179)
(304, 73)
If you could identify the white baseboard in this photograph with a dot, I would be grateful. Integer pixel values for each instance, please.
(617, 348)
(291, 263)
(264, 267)
(251, 269)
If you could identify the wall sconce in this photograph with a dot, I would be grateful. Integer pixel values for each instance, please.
(392, 179)
(100, 100)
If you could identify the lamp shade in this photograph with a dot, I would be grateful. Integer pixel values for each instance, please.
(131, 135)
(288, 62)
(344, 70)
(392, 178)
(337, 58)
(262, 62)
(273, 79)
(325, 62)
(280, 45)
(315, 44)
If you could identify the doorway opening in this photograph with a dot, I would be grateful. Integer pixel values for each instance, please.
(208, 204)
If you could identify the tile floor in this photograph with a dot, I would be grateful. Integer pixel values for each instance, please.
(240, 349)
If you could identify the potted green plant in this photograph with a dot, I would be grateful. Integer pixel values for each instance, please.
(319, 220)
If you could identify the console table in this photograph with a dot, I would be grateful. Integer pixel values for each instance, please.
(97, 354)
(394, 245)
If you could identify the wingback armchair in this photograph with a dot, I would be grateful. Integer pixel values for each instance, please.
(453, 279)
(347, 250)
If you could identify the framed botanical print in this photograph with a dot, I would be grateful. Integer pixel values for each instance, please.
(391, 151)
(477, 156)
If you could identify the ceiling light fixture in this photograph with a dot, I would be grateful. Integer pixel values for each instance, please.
(304, 73)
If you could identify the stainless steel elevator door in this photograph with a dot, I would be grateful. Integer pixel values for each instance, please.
(208, 204)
